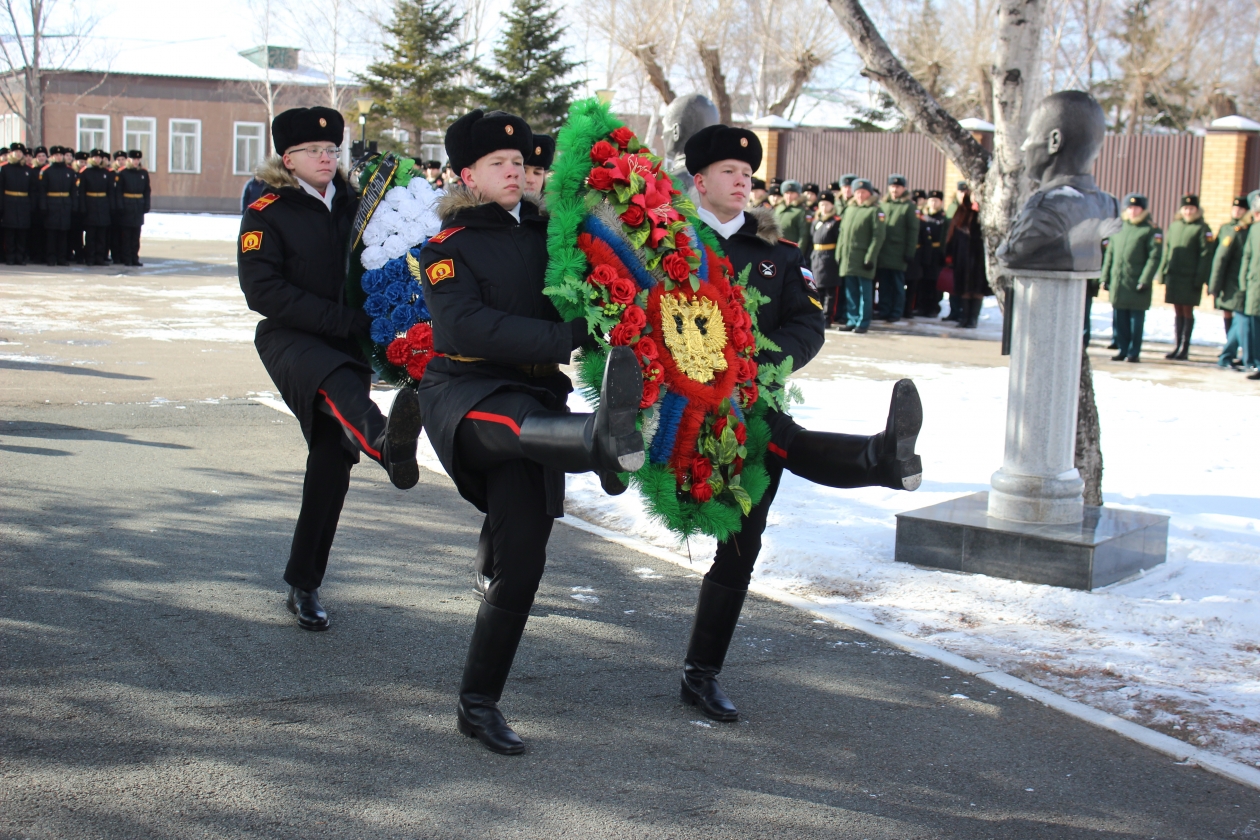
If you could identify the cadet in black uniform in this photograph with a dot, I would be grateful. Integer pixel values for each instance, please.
(96, 190)
(56, 202)
(17, 183)
(538, 164)
(722, 161)
(131, 202)
(493, 398)
(292, 261)
(78, 162)
(35, 240)
(825, 230)
(931, 254)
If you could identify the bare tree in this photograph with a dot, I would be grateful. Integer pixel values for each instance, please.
(711, 59)
(266, 26)
(29, 52)
(324, 28)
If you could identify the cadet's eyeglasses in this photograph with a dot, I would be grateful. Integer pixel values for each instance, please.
(317, 151)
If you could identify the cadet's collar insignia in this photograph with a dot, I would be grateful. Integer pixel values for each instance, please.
(251, 240)
(439, 271)
(444, 235)
(767, 269)
(264, 202)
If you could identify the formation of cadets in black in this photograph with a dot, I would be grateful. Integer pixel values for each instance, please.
(60, 206)
(493, 399)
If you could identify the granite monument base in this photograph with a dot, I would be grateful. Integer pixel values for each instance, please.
(1109, 545)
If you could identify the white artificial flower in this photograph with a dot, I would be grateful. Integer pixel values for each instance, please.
(374, 233)
(396, 246)
(395, 195)
(373, 256)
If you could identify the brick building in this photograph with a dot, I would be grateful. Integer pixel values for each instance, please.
(196, 109)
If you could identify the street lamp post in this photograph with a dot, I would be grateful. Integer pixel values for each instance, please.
(365, 105)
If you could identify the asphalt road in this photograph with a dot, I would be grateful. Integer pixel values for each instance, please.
(153, 686)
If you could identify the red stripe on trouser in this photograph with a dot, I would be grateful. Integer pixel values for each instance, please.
(494, 418)
(357, 434)
(778, 450)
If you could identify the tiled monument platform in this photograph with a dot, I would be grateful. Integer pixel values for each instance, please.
(1108, 546)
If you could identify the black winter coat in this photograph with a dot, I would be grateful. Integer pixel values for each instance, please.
(822, 259)
(131, 197)
(291, 258)
(56, 195)
(965, 244)
(18, 183)
(483, 283)
(96, 189)
(793, 317)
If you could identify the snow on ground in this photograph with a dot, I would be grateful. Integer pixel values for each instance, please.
(206, 227)
(1177, 649)
(1209, 326)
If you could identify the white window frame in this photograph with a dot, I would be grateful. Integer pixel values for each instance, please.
(78, 123)
(12, 129)
(237, 169)
(150, 154)
(170, 131)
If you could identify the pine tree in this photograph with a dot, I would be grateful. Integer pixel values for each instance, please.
(418, 82)
(530, 68)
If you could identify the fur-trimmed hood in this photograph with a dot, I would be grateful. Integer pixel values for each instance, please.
(274, 173)
(460, 198)
(768, 229)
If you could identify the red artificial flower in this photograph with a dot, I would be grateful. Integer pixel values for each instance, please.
(398, 351)
(602, 151)
(622, 335)
(749, 394)
(655, 236)
(676, 267)
(622, 136)
(634, 214)
(737, 295)
(603, 275)
(681, 240)
(701, 470)
(416, 365)
(655, 371)
(601, 178)
(622, 290)
(701, 492)
(741, 320)
(635, 317)
(742, 338)
(651, 393)
(420, 337)
(741, 434)
(747, 369)
(738, 465)
(719, 426)
(647, 349)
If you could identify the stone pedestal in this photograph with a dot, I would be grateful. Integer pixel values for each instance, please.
(1038, 482)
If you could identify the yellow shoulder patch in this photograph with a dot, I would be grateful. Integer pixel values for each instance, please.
(251, 240)
(439, 271)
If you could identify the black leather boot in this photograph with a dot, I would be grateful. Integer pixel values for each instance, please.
(1187, 330)
(305, 605)
(1179, 326)
(483, 563)
(390, 441)
(886, 459)
(490, 653)
(717, 612)
(971, 315)
(398, 440)
(606, 441)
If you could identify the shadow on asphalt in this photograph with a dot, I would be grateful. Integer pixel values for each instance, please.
(69, 370)
(61, 431)
(151, 684)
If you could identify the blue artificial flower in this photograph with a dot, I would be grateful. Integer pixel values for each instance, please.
(397, 293)
(404, 316)
(373, 281)
(417, 291)
(383, 331)
(422, 310)
(396, 270)
(376, 306)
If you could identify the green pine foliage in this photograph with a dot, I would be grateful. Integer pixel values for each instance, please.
(530, 68)
(417, 82)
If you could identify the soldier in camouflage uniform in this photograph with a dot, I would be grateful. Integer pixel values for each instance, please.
(1223, 285)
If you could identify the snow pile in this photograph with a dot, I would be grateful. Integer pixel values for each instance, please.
(1177, 649)
(405, 218)
(204, 227)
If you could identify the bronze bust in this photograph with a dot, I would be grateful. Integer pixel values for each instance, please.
(685, 116)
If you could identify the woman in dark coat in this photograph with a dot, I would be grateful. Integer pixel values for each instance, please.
(825, 231)
(964, 250)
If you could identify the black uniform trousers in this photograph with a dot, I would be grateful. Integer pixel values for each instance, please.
(128, 245)
(834, 305)
(517, 525)
(733, 563)
(338, 435)
(57, 247)
(96, 243)
(15, 245)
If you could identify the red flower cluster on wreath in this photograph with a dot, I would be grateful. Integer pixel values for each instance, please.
(412, 351)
